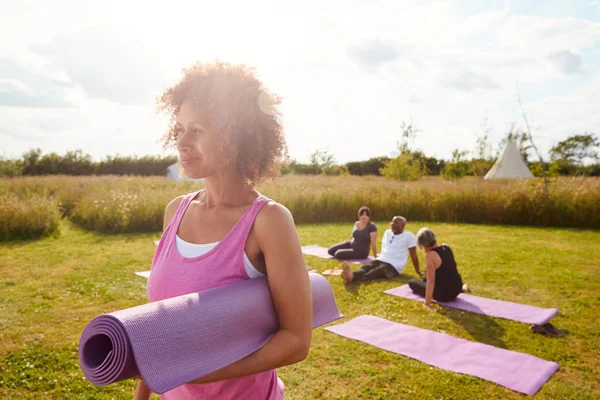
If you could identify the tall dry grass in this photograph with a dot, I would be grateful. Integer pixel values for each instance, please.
(136, 204)
(27, 218)
(574, 202)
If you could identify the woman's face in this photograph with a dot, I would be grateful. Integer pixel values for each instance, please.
(196, 143)
(364, 218)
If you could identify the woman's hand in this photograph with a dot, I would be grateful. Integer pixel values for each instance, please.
(142, 391)
(290, 288)
(429, 305)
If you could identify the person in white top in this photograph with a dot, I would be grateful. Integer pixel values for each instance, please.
(396, 245)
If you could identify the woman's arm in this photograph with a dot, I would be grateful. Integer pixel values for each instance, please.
(290, 287)
(430, 272)
(373, 236)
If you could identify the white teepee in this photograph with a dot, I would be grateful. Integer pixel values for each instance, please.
(510, 164)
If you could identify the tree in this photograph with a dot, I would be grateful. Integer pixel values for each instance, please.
(482, 150)
(324, 163)
(458, 167)
(577, 148)
(405, 168)
(372, 166)
(409, 134)
(30, 161)
(542, 164)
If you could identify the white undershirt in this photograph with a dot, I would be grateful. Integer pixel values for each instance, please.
(191, 250)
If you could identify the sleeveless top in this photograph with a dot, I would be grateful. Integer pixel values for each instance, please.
(448, 282)
(174, 275)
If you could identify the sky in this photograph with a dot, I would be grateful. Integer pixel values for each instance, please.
(85, 75)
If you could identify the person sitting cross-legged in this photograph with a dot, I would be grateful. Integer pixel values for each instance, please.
(396, 245)
(442, 282)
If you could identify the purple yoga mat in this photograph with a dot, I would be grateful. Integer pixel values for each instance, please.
(516, 371)
(484, 306)
(177, 340)
(318, 251)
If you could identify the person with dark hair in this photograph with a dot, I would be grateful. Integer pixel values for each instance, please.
(397, 244)
(226, 127)
(362, 241)
(442, 281)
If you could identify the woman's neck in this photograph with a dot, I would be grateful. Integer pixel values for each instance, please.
(430, 248)
(227, 189)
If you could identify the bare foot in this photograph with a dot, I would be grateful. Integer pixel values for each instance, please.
(347, 273)
(465, 288)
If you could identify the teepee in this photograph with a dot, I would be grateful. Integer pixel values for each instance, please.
(510, 164)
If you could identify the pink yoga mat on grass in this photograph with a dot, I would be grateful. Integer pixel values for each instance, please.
(318, 251)
(481, 305)
(516, 371)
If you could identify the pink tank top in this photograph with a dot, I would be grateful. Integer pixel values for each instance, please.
(174, 275)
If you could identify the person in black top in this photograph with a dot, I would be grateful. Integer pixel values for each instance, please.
(442, 281)
(363, 239)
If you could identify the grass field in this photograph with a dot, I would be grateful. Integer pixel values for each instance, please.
(50, 288)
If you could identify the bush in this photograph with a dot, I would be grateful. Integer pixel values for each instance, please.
(27, 218)
(372, 166)
(404, 168)
(10, 168)
(457, 168)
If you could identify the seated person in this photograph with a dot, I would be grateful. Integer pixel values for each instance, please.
(364, 238)
(395, 247)
(442, 282)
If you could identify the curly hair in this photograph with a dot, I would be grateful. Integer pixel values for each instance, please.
(242, 112)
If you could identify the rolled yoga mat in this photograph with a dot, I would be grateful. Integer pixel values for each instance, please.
(146, 274)
(481, 305)
(177, 340)
(516, 371)
(318, 251)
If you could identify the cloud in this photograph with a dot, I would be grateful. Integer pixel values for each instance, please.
(20, 87)
(18, 134)
(373, 53)
(107, 65)
(567, 62)
(468, 81)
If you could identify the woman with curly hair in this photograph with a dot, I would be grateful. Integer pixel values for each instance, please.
(226, 128)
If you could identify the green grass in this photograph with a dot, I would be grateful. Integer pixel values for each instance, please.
(50, 288)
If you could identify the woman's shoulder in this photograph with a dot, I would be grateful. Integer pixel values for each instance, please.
(172, 207)
(372, 227)
(272, 213)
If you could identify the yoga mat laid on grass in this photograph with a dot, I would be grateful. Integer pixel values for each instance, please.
(177, 340)
(318, 251)
(516, 371)
(484, 306)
